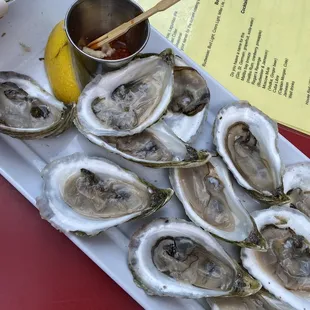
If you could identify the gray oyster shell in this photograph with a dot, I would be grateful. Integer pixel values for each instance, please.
(129, 100)
(29, 112)
(87, 195)
(210, 201)
(247, 140)
(259, 301)
(173, 257)
(284, 269)
(156, 147)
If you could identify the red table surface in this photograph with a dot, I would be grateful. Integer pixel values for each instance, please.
(41, 269)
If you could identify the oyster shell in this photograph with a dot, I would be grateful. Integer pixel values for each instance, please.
(191, 93)
(284, 269)
(127, 101)
(172, 257)
(156, 147)
(210, 201)
(247, 139)
(260, 301)
(29, 112)
(179, 62)
(190, 102)
(88, 195)
(296, 181)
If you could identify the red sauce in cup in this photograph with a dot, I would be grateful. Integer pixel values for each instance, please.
(121, 49)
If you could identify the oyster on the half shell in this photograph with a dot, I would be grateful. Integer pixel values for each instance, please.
(172, 257)
(284, 270)
(87, 195)
(247, 141)
(209, 200)
(259, 301)
(156, 147)
(29, 112)
(191, 93)
(127, 101)
(190, 102)
(296, 181)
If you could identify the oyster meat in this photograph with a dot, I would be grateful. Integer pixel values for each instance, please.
(190, 102)
(156, 147)
(172, 257)
(87, 195)
(209, 200)
(247, 139)
(260, 301)
(296, 181)
(191, 93)
(284, 269)
(127, 101)
(29, 112)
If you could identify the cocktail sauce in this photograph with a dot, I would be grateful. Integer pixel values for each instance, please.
(121, 49)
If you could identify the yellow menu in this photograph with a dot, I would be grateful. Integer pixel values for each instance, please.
(257, 49)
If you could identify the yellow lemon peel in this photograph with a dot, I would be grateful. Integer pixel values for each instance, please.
(59, 66)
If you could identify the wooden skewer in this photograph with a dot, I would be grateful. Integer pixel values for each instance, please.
(122, 29)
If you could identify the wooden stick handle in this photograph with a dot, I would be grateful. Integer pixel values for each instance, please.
(165, 4)
(122, 29)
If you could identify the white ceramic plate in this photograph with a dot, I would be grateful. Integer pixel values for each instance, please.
(21, 162)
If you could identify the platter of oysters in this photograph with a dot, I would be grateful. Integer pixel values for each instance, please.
(157, 167)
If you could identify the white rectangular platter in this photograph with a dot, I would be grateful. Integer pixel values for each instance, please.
(30, 22)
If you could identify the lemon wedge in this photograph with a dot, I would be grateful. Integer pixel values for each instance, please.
(59, 66)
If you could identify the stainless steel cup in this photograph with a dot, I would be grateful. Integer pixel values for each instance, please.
(87, 20)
